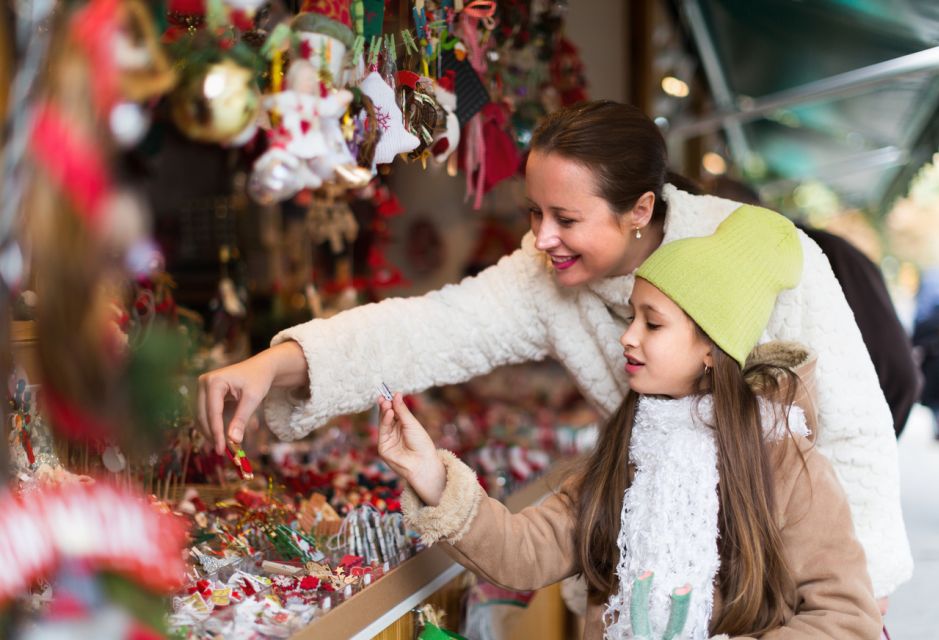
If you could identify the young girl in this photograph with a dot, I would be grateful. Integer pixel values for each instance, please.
(703, 477)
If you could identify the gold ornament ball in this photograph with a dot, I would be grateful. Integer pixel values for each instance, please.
(216, 104)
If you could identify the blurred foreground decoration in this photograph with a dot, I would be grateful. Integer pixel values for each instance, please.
(84, 559)
(105, 555)
(87, 233)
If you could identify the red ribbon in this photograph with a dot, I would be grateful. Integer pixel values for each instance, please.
(95, 28)
(74, 162)
(73, 422)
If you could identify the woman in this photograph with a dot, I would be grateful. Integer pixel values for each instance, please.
(599, 206)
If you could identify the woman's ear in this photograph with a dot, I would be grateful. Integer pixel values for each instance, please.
(641, 213)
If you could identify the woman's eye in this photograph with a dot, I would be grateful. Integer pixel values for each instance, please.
(565, 222)
(534, 212)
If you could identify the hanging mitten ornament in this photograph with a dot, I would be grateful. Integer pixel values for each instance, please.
(394, 138)
(447, 138)
(276, 177)
(470, 91)
(419, 107)
(501, 158)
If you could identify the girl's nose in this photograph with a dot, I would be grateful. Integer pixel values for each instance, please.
(628, 339)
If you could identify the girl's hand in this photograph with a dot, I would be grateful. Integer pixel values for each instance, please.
(407, 448)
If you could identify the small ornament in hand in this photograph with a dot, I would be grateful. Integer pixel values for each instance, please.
(238, 457)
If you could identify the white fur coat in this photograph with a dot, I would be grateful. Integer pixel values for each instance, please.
(514, 312)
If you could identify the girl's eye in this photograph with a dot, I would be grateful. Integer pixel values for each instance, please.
(652, 326)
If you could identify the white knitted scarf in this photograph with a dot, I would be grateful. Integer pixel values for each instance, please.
(668, 523)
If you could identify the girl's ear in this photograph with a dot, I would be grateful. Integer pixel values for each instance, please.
(641, 213)
(709, 360)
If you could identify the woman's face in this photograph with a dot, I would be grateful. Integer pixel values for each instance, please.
(582, 236)
(665, 353)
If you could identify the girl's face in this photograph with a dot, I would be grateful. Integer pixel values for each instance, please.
(582, 236)
(665, 354)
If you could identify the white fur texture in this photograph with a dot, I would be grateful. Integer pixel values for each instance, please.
(668, 524)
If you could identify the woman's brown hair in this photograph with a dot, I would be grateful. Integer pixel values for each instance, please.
(622, 147)
(755, 581)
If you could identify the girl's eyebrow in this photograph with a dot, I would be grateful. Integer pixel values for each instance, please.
(645, 306)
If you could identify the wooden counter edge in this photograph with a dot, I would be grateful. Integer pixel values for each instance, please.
(414, 579)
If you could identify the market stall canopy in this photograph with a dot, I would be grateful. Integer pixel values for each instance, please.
(842, 91)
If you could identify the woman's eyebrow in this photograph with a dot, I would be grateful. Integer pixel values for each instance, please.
(551, 207)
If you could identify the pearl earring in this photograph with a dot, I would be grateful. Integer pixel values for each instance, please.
(638, 233)
(707, 370)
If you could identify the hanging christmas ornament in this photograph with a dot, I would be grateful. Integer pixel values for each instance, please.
(113, 459)
(324, 28)
(129, 123)
(447, 136)
(276, 177)
(365, 134)
(419, 107)
(216, 104)
(394, 138)
(145, 71)
(331, 220)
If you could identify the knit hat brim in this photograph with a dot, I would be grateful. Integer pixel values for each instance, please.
(728, 282)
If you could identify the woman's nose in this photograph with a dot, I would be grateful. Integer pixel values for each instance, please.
(545, 236)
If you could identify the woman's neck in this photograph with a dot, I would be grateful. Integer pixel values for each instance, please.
(652, 236)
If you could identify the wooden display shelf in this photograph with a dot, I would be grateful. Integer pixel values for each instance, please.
(381, 606)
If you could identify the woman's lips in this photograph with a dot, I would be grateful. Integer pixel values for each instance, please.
(562, 263)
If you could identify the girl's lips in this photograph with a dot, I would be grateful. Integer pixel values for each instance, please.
(562, 264)
(633, 365)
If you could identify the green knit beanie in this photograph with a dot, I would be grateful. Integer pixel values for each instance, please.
(728, 282)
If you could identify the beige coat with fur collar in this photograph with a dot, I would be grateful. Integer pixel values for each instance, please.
(534, 548)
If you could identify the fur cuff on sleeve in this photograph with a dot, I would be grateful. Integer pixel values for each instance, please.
(451, 519)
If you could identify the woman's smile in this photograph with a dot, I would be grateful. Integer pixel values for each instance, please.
(561, 263)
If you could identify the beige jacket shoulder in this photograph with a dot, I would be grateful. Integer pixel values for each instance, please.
(534, 548)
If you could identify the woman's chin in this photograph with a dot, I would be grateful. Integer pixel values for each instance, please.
(571, 277)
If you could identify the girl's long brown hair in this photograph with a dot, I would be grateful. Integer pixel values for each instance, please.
(755, 581)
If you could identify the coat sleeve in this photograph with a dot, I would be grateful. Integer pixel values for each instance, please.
(834, 597)
(522, 551)
(855, 428)
(411, 344)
